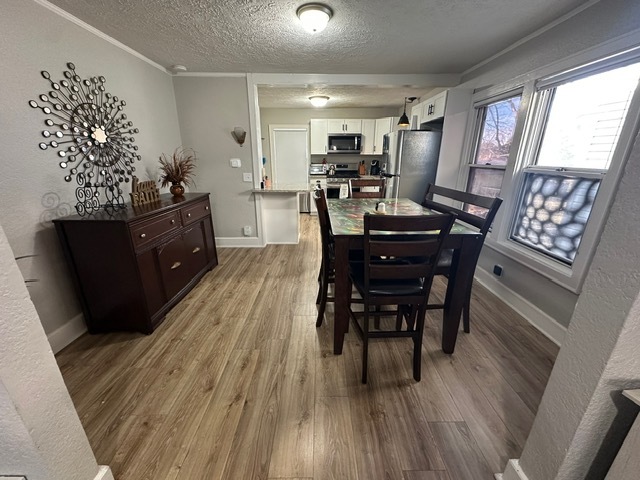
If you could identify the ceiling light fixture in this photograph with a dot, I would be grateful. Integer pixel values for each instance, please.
(404, 120)
(319, 100)
(314, 16)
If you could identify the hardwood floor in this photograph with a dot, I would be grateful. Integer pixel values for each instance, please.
(237, 383)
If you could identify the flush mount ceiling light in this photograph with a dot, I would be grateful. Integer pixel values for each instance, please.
(404, 120)
(319, 100)
(314, 16)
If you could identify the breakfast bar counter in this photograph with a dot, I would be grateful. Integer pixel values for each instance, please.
(280, 212)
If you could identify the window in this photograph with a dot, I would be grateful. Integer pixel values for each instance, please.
(496, 122)
(574, 130)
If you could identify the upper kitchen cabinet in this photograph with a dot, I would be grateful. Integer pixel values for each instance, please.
(368, 136)
(318, 136)
(344, 126)
(431, 109)
(383, 126)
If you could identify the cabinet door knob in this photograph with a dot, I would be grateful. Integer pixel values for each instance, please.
(175, 265)
(143, 235)
(206, 208)
(196, 250)
(172, 222)
(188, 215)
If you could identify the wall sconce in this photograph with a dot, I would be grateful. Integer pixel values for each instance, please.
(239, 134)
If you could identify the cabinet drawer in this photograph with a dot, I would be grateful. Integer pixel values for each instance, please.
(195, 212)
(149, 230)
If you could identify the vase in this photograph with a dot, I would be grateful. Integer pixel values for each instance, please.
(176, 189)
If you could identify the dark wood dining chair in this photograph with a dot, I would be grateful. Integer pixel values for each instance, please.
(475, 210)
(367, 188)
(327, 263)
(397, 269)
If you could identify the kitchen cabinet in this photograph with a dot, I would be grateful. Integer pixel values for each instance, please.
(433, 108)
(383, 126)
(368, 136)
(344, 126)
(131, 267)
(318, 133)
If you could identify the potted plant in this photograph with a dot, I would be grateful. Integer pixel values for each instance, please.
(178, 169)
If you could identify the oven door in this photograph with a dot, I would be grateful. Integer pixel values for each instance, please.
(333, 190)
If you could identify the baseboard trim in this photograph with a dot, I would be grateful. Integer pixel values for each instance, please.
(513, 471)
(104, 473)
(536, 317)
(67, 333)
(239, 242)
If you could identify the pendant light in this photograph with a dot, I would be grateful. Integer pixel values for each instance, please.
(404, 120)
(314, 16)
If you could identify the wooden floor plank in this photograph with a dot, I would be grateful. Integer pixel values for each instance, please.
(417, 475)
(461, 454)
(334, 445)
(238, 383)
(292, 453)
(207, 456)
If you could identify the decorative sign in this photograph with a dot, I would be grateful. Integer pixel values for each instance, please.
(91, 137)
(143, 193)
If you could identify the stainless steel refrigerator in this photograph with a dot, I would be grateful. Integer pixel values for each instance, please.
(411, 158)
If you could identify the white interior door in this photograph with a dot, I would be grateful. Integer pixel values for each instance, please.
(290, 154)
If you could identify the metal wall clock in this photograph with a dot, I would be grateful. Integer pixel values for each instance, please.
(91, 137)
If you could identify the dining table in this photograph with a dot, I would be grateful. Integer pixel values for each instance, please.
(347, 225)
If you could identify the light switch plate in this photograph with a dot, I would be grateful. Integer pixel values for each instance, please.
(247, 177)
(235, 162)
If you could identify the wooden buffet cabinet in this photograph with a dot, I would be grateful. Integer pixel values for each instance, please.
(131, 268)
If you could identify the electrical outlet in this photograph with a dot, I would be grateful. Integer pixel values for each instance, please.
(247, 177)
(235, 163)
(246, 230)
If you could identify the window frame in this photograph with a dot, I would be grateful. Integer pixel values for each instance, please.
(480, 102)
(534, 108)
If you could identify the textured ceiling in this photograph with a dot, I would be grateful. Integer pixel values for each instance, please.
(363, 37)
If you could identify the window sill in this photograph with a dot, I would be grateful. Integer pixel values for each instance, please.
(562, 275)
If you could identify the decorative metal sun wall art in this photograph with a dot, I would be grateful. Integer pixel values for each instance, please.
(92, 138)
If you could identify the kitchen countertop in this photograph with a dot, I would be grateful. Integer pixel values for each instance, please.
(285, 188)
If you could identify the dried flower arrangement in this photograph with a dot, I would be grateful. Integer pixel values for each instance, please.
(179, 168)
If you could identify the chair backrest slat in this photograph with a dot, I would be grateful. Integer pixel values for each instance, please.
(403, 247)
(356, 187)
(481, 222)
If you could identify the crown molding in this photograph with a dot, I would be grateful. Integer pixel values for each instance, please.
(67, 16)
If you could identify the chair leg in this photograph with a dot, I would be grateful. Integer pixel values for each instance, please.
(465, 313)
(417, 343)
(322, 294)
(376, 319)
(319, 283)
(365, 343)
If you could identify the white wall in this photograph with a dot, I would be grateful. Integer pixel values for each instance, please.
(593, 27)
(34, 191)
(209, 108)
(40, 432)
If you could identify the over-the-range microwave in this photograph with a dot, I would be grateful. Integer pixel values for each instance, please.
(344, 143)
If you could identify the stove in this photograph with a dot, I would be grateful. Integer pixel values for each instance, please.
(342, 174)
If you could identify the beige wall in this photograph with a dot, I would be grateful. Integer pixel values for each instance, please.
(209, 108)
(32, 184)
